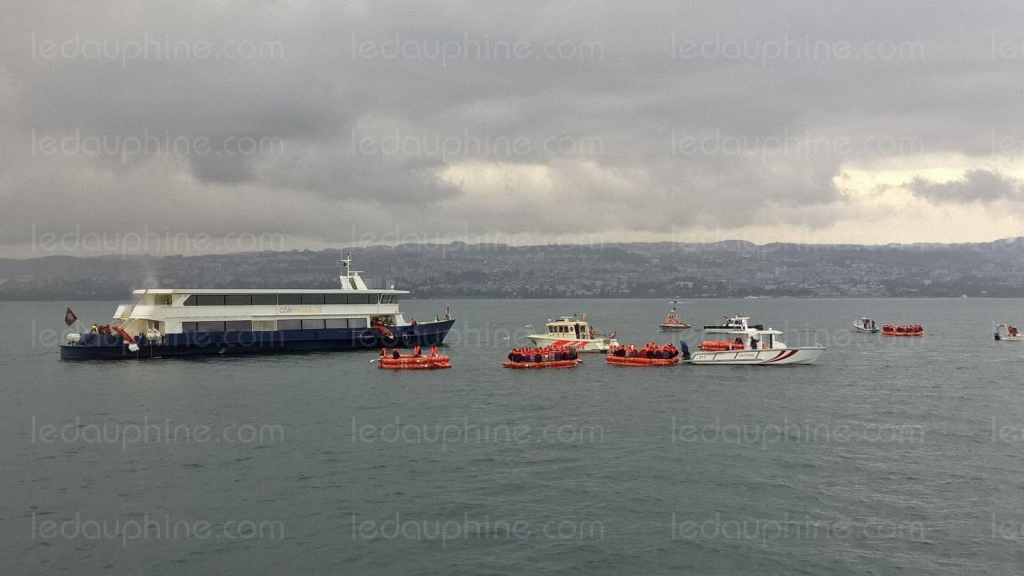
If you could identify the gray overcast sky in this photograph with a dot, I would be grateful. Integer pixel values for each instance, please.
(281, 124)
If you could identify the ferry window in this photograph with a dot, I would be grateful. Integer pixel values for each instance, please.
(289, 325)
(312, 324)
(238, 326)
(238, 300)
(289, 299)
(264, 299)
(360, 299)
(209, 300)
(312, 298)
(210, 326)
(357, 323)
(190, 301)
(335, 299)
(189, 326)
(335, 323)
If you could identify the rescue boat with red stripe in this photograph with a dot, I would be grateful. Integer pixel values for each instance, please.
(748, 345)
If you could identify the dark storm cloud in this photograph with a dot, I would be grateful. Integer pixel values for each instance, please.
(976, 186)
(220, 116)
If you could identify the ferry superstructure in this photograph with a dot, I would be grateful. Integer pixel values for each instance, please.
(166, 322)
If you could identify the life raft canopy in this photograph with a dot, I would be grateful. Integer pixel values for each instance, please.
(414, 361)
(902, 330)
(650, 354)
(547, 357)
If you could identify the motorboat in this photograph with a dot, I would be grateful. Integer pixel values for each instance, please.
(866, 326)
(576, 332)
(752, 345)
(1008, 332)
(739, 322)
(673, 323)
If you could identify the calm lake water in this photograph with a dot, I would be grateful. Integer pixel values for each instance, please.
(889, 456)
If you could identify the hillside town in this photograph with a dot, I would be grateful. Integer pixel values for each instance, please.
(456, 270)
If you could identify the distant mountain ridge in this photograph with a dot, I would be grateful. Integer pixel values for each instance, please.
(716, 269)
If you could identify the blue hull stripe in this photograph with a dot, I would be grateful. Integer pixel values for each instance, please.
(97, 346)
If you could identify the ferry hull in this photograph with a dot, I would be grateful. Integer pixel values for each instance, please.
(111, 347)
(775, 357)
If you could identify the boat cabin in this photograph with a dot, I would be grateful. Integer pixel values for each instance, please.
(571, 328)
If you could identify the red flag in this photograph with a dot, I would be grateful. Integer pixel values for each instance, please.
(69, 317)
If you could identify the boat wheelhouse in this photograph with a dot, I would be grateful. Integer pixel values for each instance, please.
(183, 322)
(732, 323)
(575, 332)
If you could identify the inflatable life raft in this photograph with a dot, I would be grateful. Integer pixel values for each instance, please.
(542, 364)
(720, 346)
(547, 357)
(415, 363)
(649, 355)
(627, 361)
(895, 330)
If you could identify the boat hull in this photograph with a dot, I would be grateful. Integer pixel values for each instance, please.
(542, 364)
(863, 330)
(641, 362)
(112, 347)
(600, 345)
(774, 357)
(673, 327)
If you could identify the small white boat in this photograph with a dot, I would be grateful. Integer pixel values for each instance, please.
(673, 323)
(575, 332)
(1008, 332)
(866, 326)
(732, 323)
(753, 346)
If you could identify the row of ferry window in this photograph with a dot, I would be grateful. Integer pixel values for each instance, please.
(299, 324)
(286, 299)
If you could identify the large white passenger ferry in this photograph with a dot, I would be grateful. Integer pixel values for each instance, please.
(184, 322)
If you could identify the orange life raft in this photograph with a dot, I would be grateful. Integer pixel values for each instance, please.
(720, 346)
(636, 361)
(897, 330)
(542, 364)
(415, 363)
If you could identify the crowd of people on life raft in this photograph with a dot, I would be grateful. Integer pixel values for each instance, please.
(546, 354)
(416, 353)
(649, 350)
(911, 329)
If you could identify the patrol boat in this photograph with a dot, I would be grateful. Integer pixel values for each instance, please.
(166, 322)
